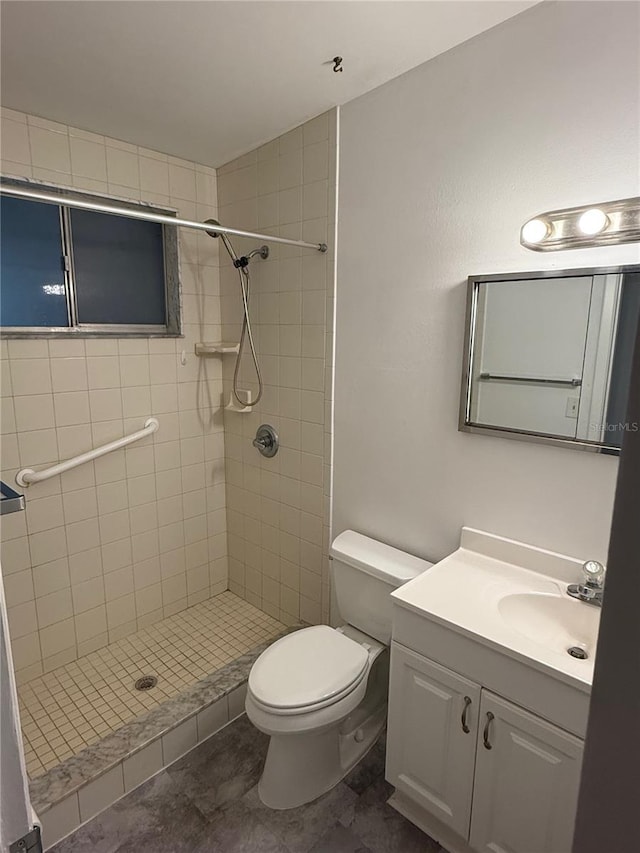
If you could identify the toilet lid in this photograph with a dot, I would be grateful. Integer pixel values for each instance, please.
(307, 667)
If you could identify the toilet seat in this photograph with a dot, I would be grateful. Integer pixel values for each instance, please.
(307, 670)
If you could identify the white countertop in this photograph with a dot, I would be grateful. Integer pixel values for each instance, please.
(467, 590)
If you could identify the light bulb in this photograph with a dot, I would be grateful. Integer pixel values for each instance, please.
(593, 221)
(535, 230)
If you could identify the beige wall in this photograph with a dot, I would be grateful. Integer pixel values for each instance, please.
(278, 509)
(116, 544)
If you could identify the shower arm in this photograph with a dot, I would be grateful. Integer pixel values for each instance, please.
(70, 200)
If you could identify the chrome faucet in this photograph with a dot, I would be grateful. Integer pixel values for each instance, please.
(592, 586)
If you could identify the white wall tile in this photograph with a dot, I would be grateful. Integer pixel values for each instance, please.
(122, 168)
(179, 740)
(142, 765)
(80, 505)
(44, 514)
(88, 595)
(15, 142)
(90, 623)
(34, 411)
(101, 793)
(69, 374)
(291, 312)
(50, 150)
(30, 375)
(121, 611)
(47, 546)
(212, 718)
(26, 651)
(22, 619)
(38, 446)
(19, 588)
(57, 637)
(154, 175)
(236, 701)
(182, 183)
(54, 608)
(88, 159)
(71, 407)
(105, 404)
(82, 535)
(15, 555)
(59, 820)
(316, 162)
(103, 372)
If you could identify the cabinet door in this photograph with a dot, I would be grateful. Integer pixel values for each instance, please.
(526, 782)
(430, 756)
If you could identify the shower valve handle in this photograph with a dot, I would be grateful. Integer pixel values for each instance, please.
(266, 440)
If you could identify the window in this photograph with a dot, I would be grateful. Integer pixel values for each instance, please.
(70, 271)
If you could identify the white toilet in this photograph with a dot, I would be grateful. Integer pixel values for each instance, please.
(321, 692)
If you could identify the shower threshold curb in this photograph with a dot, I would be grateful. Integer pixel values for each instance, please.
(92, 762)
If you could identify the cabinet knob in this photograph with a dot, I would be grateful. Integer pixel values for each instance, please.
(463, 718)
(485, 734)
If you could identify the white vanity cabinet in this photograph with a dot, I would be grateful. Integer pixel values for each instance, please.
(432, 726)
(502, 779)
(526, 782)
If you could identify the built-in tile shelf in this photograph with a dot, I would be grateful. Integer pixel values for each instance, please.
(234, 406)
(217, 348)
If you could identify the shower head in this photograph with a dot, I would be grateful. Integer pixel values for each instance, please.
(242, 262)
(212, 222)
(263, 251)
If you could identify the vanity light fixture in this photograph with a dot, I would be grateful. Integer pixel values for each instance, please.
(593, 221)
(535, 230)
(604, 224)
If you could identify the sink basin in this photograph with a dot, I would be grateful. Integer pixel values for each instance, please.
(553, 621)
(512, 598)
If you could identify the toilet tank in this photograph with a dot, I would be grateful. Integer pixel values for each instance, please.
(365, 572)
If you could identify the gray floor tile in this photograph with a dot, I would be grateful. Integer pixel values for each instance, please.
(223, 769)
(383, 829)
(340, 840)
(207, 802)
(156, 816)
(300, 828)
(236, 830)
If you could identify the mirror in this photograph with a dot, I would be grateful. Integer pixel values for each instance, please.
(548, 356)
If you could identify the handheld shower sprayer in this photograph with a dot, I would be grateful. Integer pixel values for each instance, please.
(242, 265)
(243, 260)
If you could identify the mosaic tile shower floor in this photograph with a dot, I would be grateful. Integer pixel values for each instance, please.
(79, 703)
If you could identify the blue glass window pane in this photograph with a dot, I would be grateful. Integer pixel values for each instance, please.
(32, 285)
(119, 269)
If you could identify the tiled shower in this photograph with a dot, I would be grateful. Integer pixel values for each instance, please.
(277, 509)
(187, 550)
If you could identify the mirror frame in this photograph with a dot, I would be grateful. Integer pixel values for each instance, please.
(465, 424)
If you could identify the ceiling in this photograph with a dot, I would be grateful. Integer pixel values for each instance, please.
(207, 81)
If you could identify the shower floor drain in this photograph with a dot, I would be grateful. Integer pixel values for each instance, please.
(146, 682)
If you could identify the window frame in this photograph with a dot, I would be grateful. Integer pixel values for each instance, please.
(171, 261)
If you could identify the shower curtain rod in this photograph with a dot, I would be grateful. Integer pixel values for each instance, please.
(147, 216)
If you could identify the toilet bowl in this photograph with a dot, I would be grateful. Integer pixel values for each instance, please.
(320, 693)
(319, 696)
